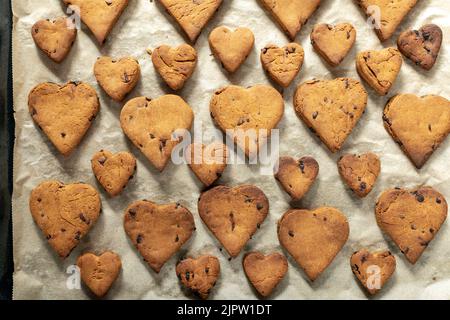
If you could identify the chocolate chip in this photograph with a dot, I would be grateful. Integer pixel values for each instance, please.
(63, 134)
(264, 50)
(302, 166)
(291, 234)
(362, 186)
(132, 213)
(49, 237)
(83, 218)
(259, 206)
(78, 235)
(177, 239)
(315, 114)
(187, 275)
(206, 270)
(139, 238)
(101, 160)
(438, 200)
(419, 197)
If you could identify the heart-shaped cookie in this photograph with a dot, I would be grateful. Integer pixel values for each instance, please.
(333, 43)
(247, 115)
(156, 126)
(113, 171)
(360, 172)
(158, 231)
(313, 237)
(379, 68)
(421, 46)
(117, 77)
(55, 38)
(290, 15)
(175, 65)
(411, 218)
(64, 112)
(192, 15)
(373, 270)
(233, 214)
(65, 213)
(417, 124)
(265, 272)
(99, 16)
(297, 176)
(331, 108)
(231, 47)
(199, 275)
(282, 64)
(208, 162)
(99, 272)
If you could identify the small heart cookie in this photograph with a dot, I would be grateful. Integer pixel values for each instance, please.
(64, 213)
(297, 176)
(99, 272)
(158, 231)
(331, 108)
(282, 64)
(421, 46)
(155, 126)
(379, 68)
(55, 38)
(247, 115)
(411, 218)
(265, 272)
(333, 43)
(313, 237)
(64, 112)
(175, 65)
(231, 47)
(418, 124)
(199, 275)
(233, 214)
(360, 172)
(373, 270)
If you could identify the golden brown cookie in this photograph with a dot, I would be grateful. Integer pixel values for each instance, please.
(158, 231)
(99, 272)
(379, 68)
(199, 275)
(313, 237)
(282, 64)
(411, 218)
(153, 125)
(247, 115)
(55, 38)
(333, 43)
(265, 272)
(360, 172)
(331, 108)
(417, 124)
(64, 213)
(64, 112)
(233, 214)
(175, 65)
(297, 176)
(231, 48)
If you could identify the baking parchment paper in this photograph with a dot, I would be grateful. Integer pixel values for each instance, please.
(40, 274)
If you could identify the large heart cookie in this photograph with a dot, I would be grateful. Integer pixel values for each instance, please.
(265, 272)
(99, 272)
(158, 231)
(333, 43)
(100, 16)
(55, 38)
(290, 15)
(297, 176)
(199, 275)
(331, 108)
(156, 126)
(64, 113)
(282, 64)
(379, 68)
(175, 65)
(411, 218)
(247, 115)
(313, 237)
(233, 214)
(386, 15)
(192, 15)
(421, 46)
(65, 213)
(231, 47)
(117, 77)
(417, 124)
